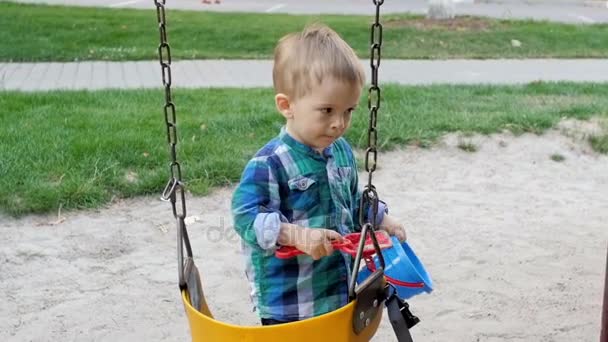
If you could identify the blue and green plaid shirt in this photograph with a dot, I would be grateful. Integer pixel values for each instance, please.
(287, 181)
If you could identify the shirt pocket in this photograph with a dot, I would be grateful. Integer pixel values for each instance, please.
(304, 195)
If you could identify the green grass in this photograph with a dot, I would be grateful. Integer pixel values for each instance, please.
(54, 33)
(599, 143)
(556, 157)
(82, 149)
(467, 146)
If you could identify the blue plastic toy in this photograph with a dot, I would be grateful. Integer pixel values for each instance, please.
(403, 270)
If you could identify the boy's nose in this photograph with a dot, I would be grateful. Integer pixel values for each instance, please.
(338, 123)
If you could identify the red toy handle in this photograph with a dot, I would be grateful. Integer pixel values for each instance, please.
(286, 252)
(348, 245)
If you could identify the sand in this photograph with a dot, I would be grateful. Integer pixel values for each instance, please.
(514, 241)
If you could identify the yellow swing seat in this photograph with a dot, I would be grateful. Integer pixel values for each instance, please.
(332, 326)
(337, 325)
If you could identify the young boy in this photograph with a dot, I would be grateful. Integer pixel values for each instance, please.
(301, 188)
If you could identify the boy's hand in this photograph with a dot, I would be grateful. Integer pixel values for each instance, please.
(315, 242)
(393, 227)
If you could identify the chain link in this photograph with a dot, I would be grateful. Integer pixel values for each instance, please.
(369, 195)
(174, 190)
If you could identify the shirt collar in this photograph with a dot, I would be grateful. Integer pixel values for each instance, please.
(303, 148)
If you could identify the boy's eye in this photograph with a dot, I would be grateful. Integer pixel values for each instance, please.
(326, 110)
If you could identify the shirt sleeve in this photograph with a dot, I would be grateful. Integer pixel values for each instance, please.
(255, 205)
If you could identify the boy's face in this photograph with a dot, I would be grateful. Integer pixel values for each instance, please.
(320, 117)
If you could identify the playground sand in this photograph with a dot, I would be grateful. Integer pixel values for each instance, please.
(515, 243)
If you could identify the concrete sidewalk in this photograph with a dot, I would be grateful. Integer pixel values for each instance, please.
(569, 11)
(257, 73)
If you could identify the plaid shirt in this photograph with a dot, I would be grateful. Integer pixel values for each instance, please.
(287, 181)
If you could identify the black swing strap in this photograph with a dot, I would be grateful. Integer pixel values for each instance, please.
(402, 332)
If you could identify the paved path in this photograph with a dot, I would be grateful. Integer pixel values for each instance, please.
(257, 73)
(571, 11)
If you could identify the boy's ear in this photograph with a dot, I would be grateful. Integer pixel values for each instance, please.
(283, 105)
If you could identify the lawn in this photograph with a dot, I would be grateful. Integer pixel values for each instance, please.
(56, 33)
(82, 149)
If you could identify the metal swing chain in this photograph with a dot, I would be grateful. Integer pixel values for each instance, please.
(369, 195)
(174, 190)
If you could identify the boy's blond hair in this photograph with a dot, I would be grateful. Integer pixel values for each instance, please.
(302, 60)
